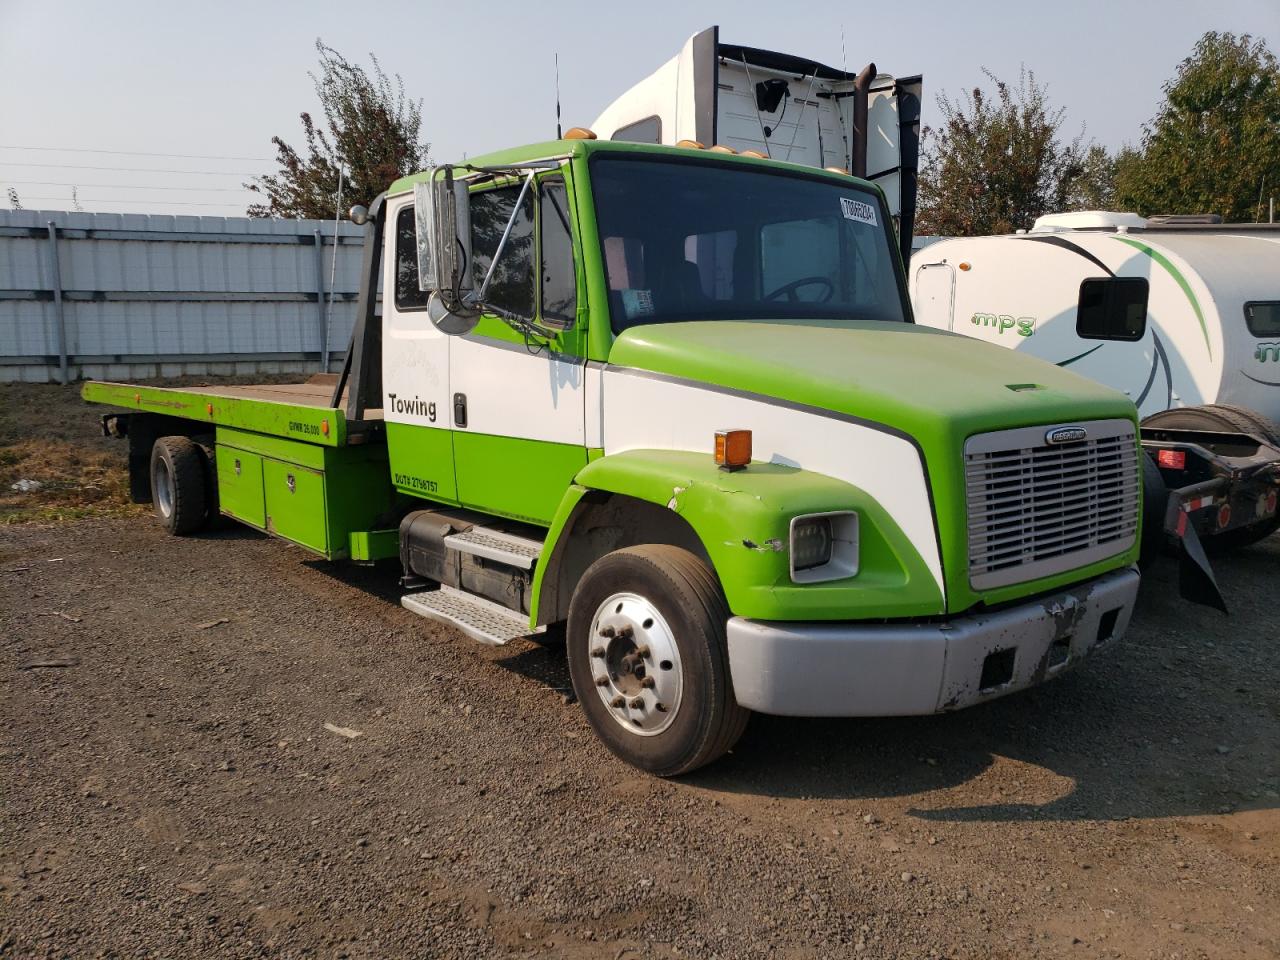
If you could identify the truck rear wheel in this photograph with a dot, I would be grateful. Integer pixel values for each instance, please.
(1226, 417)
(649, 661)
(178, 484)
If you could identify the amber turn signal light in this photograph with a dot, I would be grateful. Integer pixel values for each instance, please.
(733, 449)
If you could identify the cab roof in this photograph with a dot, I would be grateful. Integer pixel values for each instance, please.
(576, 149)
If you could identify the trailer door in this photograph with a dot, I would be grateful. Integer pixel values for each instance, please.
(933, 296)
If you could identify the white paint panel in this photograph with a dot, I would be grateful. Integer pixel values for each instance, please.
(514, 393)
(415, 355)
(645, 413)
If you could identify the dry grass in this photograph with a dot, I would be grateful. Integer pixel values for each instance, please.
(48, 434)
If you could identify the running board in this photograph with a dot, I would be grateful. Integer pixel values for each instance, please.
(514, 551)
(480, 619)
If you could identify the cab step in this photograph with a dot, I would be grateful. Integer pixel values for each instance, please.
(514, 551)
(480, 619)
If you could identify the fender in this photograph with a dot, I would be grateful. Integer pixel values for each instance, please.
(742, 519)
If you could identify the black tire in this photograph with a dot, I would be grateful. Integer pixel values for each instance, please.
(1227, 417)
(213, 512)
(1216, 416)
(178, 487)
(707, 721)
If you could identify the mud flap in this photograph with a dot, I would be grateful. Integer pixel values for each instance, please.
(1196, 581)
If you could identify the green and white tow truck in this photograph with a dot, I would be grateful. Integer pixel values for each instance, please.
(670, 403)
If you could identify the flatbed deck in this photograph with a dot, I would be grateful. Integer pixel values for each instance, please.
(299, 411)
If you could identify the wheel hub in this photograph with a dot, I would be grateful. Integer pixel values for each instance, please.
(635, 664)
(162, 487)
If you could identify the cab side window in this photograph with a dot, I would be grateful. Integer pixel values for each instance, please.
(559, 288)
(408, 296)
(512, 286)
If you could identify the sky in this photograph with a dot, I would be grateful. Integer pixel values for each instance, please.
(167, 107)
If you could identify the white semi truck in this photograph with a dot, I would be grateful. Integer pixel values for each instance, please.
(1180, 313)
(764, 103)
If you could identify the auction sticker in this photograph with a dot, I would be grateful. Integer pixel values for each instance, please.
(857, 210)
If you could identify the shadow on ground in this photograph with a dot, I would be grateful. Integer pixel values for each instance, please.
(1190, 692)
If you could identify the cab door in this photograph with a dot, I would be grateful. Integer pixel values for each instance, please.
(415, 369)
(517, 406)
(934, 296)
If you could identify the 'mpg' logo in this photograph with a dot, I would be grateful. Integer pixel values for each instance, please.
(1267, 351)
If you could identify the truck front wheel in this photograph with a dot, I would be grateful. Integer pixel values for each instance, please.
(178, 484)
(649, 662)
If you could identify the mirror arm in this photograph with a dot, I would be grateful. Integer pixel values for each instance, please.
(478, 296)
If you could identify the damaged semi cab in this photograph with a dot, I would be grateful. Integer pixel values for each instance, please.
(672, 402)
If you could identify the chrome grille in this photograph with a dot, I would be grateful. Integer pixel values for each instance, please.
(1036, 509)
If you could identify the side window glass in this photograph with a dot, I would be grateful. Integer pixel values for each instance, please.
(408, 296)
(511, 288)
(1263, 318)
(1112, 308)
(648, 130)
(559, 289)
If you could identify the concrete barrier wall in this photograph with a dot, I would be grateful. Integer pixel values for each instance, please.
(121, 296)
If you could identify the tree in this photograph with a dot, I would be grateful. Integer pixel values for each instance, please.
(997, 162)
(369, 127)
(1214, 144)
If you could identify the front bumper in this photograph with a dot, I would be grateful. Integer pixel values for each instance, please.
(871, 670)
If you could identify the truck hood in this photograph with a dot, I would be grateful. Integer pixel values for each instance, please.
(934, 385)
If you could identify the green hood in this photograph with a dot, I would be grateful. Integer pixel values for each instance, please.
(935, 386)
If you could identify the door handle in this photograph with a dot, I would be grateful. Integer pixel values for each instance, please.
(460, 410)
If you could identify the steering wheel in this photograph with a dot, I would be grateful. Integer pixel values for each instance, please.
(790, 289)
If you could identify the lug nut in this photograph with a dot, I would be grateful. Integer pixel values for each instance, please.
(617, 701)
(598, 652)
(647, 683)
(643, 650)
(626, 632)
(602, 681)
(607, 632)
(636, 704)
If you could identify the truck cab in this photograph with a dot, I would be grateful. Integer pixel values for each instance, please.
(670, 404)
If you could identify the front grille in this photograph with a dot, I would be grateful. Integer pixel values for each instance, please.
(1036, 509)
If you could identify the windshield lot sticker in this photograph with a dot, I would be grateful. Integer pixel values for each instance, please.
(857, 210)
(637, 303)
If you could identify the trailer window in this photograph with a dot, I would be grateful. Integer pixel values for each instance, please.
(1112, 308)
(1263, 318)
(408, 296)
(559, 289)
(511, 288)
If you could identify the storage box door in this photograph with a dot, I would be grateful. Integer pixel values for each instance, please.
(295, 504)
(240, 486)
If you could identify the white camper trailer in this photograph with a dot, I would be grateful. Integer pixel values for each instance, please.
(725, 96)
(1182, 314)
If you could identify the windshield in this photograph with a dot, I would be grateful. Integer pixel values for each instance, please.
(703, 241)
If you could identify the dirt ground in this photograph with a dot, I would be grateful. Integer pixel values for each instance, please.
(171, 785)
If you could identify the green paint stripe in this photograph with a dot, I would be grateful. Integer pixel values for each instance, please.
(1174, 272)
(1080, 356)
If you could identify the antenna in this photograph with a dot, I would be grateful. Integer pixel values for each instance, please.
(559, 135)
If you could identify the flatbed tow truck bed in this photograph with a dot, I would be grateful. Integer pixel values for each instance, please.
(286, 457)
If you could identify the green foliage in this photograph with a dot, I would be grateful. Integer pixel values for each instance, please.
(997, 162)
(1214, 145)
(369, 127)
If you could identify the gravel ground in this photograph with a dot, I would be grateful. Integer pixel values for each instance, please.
(172, 785)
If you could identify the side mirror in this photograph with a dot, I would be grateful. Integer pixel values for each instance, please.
(359, 215)
(442, 215)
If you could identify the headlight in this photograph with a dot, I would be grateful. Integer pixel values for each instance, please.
(824, 546)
